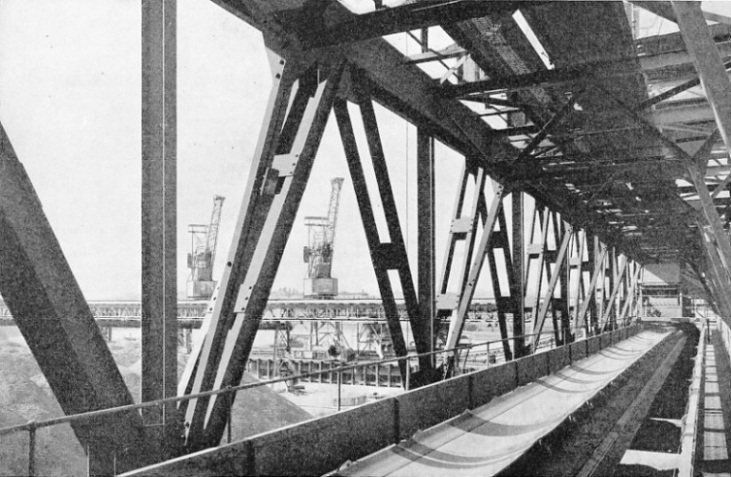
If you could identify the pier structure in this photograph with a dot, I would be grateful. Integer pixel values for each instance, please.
(590, 155)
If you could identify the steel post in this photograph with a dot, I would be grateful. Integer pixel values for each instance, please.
(159, 243)
(517, 288)
(554, 278)
(426, 218)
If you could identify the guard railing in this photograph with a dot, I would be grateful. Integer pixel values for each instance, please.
(460, 354)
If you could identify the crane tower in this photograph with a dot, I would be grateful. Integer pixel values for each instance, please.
(318, 254)
(203, 240)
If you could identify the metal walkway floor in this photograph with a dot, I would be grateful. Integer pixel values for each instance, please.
(485, 440)
(715, 457)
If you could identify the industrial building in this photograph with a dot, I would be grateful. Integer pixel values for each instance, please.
(538, 192)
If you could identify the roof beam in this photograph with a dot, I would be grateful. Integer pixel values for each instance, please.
(571, 73)
(410, 93)
(665, 10)
(407, 17)
(708, 62)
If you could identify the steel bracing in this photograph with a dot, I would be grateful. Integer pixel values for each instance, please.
(582, 162)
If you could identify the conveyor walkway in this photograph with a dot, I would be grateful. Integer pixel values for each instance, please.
(715, 456)
(485, 440)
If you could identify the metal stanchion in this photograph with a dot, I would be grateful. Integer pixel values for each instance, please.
(229, 397)
(408, 374)
(340, 388)
(32, 449)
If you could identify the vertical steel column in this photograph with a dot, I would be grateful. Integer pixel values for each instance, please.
(468, 291)
(159, 245)
(517, 289)
(554, 277)
(463, 228)
(565, 290)
(393, 255)
(505, 304)
(631, 293)
(426, 207)
(537, 252)
(601, 284)
(384, 256)
(591, 297)
(718, 278)
(578, 263)
(618, 272)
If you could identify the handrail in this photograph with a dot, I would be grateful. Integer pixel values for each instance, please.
(241, 387)
(690, 429)
(32, 426)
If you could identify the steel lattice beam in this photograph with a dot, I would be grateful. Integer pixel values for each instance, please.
(279, 173)
(591, 297)
(555, 275)
(385, 256)
(411, 16)
(467, 290)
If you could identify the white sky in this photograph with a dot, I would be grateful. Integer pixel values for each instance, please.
(70, 102)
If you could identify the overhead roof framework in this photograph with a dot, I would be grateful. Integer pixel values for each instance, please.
(623, 143)
(543, 93)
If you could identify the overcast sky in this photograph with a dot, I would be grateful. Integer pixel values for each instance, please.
(70, 102)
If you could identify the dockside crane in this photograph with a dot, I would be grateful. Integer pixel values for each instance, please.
(203, 241)
(318, 254)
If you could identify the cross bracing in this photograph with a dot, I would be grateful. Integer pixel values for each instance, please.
(619, 143)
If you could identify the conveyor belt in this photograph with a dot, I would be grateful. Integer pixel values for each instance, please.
(485, 440)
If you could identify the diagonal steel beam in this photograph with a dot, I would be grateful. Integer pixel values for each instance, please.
(567, 74)
(454, 236)
(395, 257)
(708, 63)
(384, 256)
(580, 237)
(51, 313)
(590, 297)
(548, 295)
(698, 179)
(512, 303)
(538, 255)
(411, 16)
(616, 286)
(468, 290)
(674, 91)
(276, 183)
(632, 292)
(718, 279)
(463, 228)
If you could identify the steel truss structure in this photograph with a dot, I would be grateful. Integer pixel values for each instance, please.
(584, 178)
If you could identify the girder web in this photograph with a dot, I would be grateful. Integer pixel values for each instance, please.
(586, 177)
(279, 173)
(384, 255)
